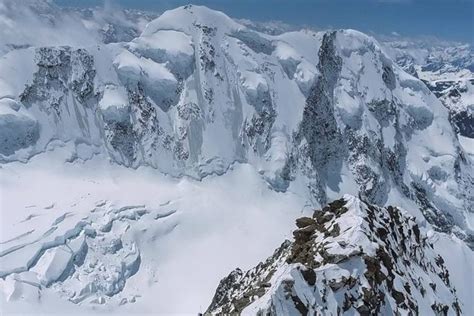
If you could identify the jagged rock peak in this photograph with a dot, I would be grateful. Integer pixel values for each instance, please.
(349, 258)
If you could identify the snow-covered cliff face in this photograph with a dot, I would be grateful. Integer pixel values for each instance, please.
(447, 69)
(196, 92)
(350, 258)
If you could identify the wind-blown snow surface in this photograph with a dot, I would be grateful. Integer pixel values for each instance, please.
(311, 115)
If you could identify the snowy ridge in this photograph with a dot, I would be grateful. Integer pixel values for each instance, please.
(349, 258)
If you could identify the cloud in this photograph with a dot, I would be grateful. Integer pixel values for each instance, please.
(40, 23)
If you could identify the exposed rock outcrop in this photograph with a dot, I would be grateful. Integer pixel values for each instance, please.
(350, 258)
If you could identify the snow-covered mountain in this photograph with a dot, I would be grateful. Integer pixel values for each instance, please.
(197, 92)
(431, 58)
(349, 258)
(447, 69)
(291, 120)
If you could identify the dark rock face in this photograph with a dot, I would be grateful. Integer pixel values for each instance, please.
(384, 111)
(397, 271)
(122, 138)
(17, 133)
(140, 132)
(321, 141)
(463, 122)
(227, 297)
(207, 52)
(61, 91)
(388, 77)
(255, 42)
(450, 94)
(61, 70)
(362, 152)
(319, 137)
(328, 137)
(258, 129)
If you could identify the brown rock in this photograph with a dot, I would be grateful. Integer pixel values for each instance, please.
(304, 221)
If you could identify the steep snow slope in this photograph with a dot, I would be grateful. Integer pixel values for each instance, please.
(352, 258)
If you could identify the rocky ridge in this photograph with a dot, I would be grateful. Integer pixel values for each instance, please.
(351, 257)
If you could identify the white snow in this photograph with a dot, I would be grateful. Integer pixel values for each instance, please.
(16, 69)
(467, 144)
(173, 42)
(183, 18)
(458, 259)
(52, 264)
(253, 83)
(114, 103)
(211, 224)
(133, 67)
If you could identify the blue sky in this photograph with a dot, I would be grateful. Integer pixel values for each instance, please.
(446, 19)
